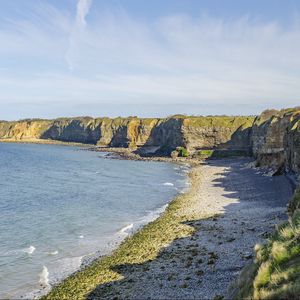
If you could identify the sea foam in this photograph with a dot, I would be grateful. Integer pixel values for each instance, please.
(44, 277)
(126, 228)
(168, 184)
(29, 250)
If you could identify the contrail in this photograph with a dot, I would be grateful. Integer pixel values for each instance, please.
(82, 10)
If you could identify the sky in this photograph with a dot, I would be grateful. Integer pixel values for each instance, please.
(147, 58)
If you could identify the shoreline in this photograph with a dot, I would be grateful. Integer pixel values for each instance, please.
(57, 291)
(112, 152)
(88, 259)
(196, 255)
(44, 142)
(127, 231)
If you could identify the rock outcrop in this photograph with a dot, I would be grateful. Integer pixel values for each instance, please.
(275, 140)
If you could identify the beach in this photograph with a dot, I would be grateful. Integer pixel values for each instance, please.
(198, 246)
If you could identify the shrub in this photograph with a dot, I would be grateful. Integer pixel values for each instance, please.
(206, 153)
(183, 152)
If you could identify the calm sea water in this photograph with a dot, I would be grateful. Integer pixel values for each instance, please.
(60, 204)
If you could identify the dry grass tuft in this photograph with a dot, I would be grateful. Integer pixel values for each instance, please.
(275, 274)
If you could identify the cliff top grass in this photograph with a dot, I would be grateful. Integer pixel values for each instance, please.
(275, 274)
(218, 118)
(143, 246)
(220, 121)
(274, 115)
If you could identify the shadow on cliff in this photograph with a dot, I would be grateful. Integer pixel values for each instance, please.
(239, 141)
(169, 135)
(237, 182)
(163, 138)
(75, 131)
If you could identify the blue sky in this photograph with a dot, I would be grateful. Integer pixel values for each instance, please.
(147, 58)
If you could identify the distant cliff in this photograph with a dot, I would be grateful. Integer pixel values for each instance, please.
(165, 134)
(273, 137)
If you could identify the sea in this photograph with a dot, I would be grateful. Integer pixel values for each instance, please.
(62, 206)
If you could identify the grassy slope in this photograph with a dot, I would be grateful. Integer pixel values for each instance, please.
(272, 115)
(220, 121)
(141, 247)
(275, 274)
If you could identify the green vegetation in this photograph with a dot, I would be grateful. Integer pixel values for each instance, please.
(183, 152)
(206, 153)
(275, 274)
(273, 115)
(220, 121)
(143, 246)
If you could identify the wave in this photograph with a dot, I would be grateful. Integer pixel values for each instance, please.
(53, 252)
(152, 215)
(126, 228)
(29, 250)
(81, 236)
(168, 184)
(44, 277)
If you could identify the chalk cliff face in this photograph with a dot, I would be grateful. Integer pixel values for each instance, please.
(167, 134)
(275, 139)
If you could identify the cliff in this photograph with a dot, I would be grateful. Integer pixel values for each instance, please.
(165, 135)
(275, 140)
(273, 137)
(22, 130)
